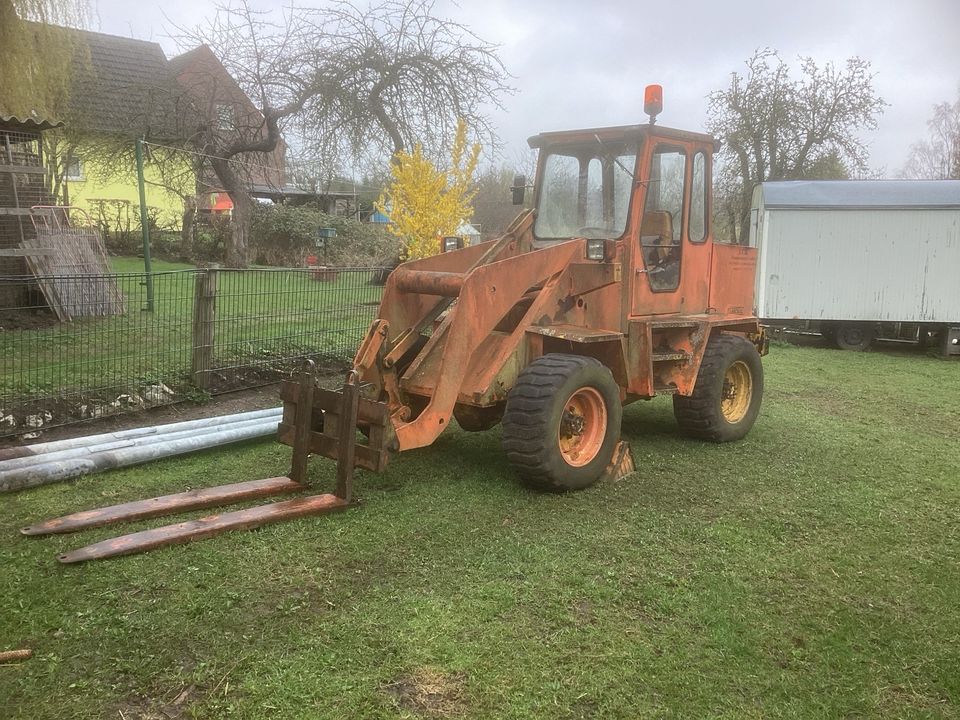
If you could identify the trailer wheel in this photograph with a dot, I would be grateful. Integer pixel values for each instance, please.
(854, 336)
(562, 422)
(727, 395)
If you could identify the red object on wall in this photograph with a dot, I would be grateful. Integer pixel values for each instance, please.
(220, 202)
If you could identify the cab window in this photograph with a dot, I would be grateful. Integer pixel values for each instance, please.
(585, 191)
(698, 199)
(661, 227)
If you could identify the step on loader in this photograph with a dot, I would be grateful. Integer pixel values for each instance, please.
(611, 289)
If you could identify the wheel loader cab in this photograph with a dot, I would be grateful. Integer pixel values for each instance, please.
(646, 187)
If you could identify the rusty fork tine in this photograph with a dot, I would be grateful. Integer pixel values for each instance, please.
(205, 527)
(165, 505)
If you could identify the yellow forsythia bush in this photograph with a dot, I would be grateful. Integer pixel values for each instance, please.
(425, 203)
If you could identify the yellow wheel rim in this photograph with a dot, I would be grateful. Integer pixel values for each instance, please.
(737, 392)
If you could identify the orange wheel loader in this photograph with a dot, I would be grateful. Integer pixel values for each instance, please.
(610, 290)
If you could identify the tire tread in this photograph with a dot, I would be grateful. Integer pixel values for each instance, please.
(698, 415)
(526, 437)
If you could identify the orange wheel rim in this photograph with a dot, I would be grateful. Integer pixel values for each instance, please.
(583, 426)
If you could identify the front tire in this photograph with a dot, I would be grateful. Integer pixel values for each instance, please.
(562, 422)
(727, 395)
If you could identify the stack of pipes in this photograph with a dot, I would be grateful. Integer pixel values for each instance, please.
(42, 463)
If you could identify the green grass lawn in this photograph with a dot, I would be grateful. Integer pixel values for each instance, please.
(811, 570)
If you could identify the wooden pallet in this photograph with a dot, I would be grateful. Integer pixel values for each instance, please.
(72, 270)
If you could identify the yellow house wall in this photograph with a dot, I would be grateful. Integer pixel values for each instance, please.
(119, 186)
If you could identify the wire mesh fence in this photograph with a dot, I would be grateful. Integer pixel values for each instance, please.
(268, 321)
(209, 331)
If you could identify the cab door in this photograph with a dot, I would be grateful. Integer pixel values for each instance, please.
(671, 255)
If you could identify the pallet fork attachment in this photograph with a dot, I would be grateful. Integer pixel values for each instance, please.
(303, 427)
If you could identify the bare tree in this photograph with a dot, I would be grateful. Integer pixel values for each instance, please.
(778, 127)
(348, 79)
(938, 157)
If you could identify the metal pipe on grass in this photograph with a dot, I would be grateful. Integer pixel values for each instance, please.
(57, 445)
(86, 450)
(58, 470)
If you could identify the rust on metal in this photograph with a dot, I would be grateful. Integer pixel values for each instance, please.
(369, 349)
(206, 527)
(322, 444)
(621, 465)
(165, 505)
(429, 282)
(576, 334)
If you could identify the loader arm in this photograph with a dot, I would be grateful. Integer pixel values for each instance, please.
(485, 295)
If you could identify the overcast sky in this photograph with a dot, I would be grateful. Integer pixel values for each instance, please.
(578, 64)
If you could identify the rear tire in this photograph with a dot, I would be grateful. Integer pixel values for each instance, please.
(562, 422)
(726, 398)
(854, 336)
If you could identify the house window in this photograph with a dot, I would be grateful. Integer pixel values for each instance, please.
(225, 117)
(74, 169)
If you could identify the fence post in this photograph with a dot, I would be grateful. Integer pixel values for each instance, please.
(204, 316)
(144, 224)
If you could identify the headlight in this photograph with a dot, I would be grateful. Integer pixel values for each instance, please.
(596, 249)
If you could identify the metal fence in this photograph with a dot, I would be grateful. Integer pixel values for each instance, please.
(206, 331)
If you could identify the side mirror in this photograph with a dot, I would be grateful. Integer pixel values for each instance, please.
(519, 186)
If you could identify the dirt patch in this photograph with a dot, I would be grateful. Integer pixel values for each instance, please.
(119, 407)
(895, 700)
(583, 612)
(428, 692)
(235, 378)
(27, 319)
(235, 402)
(142, 708)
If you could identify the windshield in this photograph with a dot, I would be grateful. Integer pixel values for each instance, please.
(585, 191)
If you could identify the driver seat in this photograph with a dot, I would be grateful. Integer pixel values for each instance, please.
(656, 231)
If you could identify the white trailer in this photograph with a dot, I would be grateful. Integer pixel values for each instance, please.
(860, 259)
